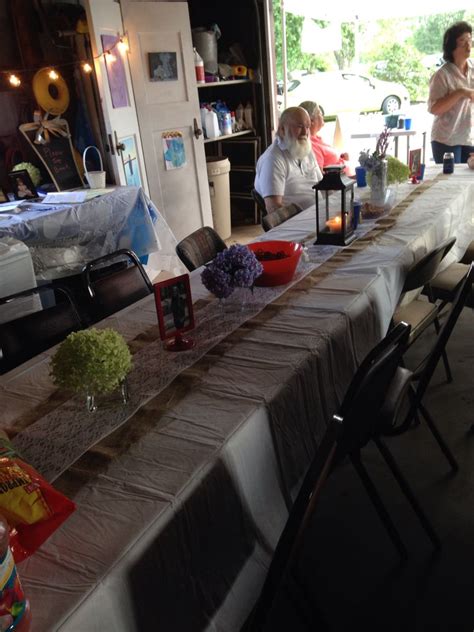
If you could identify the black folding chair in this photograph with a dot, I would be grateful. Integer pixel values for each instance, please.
(371, 403)
(420, 314)
(38, 327)
(279, 215)
(422, 376)
(113, 282)
(199, 247)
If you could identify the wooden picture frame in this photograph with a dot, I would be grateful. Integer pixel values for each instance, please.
(414, 163)
(174, 308)
(22, 185)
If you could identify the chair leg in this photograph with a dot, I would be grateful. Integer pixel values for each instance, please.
(441, 442)
(407, 490)
(444, 355)
(378, 504)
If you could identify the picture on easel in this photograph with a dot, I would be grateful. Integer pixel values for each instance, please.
(414, 163)
(174, 308)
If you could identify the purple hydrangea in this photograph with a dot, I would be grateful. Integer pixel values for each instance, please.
(236, 266)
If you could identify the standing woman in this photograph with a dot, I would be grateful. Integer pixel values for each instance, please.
(452, 95)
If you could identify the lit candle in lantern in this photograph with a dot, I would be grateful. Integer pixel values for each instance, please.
(334, 224)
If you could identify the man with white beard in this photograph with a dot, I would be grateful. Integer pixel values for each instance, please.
(287, 170)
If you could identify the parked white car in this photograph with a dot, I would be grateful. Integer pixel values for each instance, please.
(347, 92)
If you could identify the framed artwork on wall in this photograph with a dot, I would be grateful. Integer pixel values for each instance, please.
(163, 66)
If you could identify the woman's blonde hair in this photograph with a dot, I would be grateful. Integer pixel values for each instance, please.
(310, 107)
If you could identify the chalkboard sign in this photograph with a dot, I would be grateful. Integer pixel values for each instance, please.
(57, 155)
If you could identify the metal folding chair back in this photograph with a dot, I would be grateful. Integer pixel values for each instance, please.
(32, 333)
(280, 215)
(199, 247)
(113, 282)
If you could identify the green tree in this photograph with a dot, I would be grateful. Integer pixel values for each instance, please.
(403, 65)
(428, 37)
(296, 60)
(345, 56)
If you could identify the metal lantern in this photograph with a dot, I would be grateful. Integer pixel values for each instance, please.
(337, 193)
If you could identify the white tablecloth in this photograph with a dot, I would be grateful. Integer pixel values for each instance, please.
(177, 533)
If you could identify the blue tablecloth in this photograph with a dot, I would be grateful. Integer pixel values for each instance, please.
(62, 238)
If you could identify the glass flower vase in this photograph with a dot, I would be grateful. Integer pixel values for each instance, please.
(378, 184)
(119, 396)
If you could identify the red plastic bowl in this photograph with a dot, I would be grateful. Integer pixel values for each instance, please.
(278, 271)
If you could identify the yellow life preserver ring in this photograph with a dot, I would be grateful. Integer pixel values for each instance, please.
(51, 94)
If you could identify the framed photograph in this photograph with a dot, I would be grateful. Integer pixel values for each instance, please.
(22, 186)
(163, 66)
(414, 163)
(174, 308)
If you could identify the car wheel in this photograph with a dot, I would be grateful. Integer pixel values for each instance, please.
(391, 104)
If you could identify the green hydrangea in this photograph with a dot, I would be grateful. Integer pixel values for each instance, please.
(33, 171)
(91, 361)
(397, 171)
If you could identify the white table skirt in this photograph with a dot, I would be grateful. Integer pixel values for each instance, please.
(178, 532)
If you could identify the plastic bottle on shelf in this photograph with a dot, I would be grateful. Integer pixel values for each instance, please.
(15, 612)
(239, 118)
(232, 120)
(199, 67)
(248, 116)
(203, 110)
(212, 124)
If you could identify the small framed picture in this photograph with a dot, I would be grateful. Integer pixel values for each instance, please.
(163, 66)
(22, 186)
(414, 163)
(174, 308)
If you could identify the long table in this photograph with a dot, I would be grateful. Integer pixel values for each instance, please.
(178, 514)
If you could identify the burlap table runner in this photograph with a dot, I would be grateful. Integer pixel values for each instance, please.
(97, 458)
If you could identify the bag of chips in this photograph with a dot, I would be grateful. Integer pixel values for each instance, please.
(32, 507)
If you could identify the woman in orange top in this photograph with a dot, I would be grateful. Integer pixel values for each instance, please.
(325, 154)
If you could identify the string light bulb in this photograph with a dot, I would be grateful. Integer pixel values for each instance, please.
(86, 67)
(122, 45)
(109, 57)
(14, 81)
(52, 74)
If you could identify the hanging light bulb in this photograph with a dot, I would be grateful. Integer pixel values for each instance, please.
(86, 67)
(123, 45)
(52, 74)
(14, 80)
(109, 57)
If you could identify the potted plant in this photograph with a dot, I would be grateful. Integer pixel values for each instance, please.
(93, 362)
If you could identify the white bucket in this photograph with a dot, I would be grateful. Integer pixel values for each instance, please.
(96, 179)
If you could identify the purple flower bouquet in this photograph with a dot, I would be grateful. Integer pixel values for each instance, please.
(236, 266)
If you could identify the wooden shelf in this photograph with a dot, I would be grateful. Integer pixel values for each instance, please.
(216, 84)
(228, 136)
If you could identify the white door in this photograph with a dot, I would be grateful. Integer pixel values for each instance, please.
(116, 93)
(167, 105)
